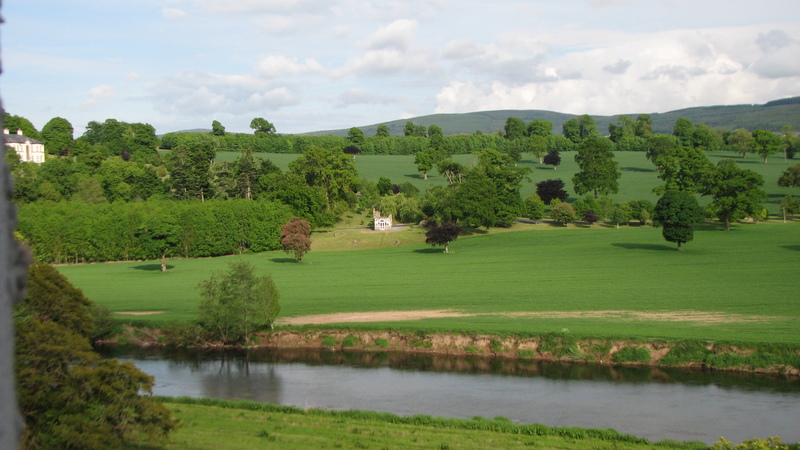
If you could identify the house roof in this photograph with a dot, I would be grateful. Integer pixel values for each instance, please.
(20, 139)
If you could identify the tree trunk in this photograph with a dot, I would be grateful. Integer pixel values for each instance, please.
(164, 261)
(425, 175)
(446, 248)
(679, 246)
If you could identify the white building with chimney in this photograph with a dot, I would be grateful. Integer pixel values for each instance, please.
(28, 149)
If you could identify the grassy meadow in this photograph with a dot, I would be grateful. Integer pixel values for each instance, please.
(638, 178)
(745, 280)
(575, 271)
(213, 424)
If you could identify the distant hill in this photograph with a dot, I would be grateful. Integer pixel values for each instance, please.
(769, 116)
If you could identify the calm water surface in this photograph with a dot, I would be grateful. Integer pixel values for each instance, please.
(652, 403)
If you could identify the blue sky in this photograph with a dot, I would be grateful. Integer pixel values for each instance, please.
(308, 65)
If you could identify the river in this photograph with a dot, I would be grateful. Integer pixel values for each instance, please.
(652, 403)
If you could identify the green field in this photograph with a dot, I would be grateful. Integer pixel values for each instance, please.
(638, 178)
(213, 424)
(732, 276)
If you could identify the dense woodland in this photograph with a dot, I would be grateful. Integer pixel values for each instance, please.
(120, 192)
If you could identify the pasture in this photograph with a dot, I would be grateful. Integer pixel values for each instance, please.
(638, 179)
(589, 281)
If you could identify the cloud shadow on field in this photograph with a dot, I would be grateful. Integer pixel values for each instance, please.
(637, 246)
(152, 267)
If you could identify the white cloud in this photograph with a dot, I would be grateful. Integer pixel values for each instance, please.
(397, 35)
(99, 94)
(202, 94)
(174, 14)
(275, 66)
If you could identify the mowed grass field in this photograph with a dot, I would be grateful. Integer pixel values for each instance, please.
(638, 179)
(744, 282)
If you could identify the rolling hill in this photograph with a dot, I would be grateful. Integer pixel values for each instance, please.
(769, 116)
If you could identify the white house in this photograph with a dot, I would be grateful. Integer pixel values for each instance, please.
(381, 223)
(28, 149)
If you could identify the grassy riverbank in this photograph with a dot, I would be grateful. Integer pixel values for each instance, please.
(212, 424)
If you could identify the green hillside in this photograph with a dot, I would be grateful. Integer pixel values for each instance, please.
(769, 116)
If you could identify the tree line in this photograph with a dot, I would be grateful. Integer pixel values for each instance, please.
(70, 232)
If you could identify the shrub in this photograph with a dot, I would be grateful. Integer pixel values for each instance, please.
(496, 345)
(632, 354)
(382, 343)
(350, 341)
(525, 354)
(329, 341)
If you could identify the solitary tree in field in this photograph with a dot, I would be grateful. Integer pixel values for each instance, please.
(296, 237)
(159, 235)
(676, 212)
(237, 303)
(443, 235)
(553, 159)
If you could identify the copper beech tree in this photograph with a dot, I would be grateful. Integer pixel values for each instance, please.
(296, 237)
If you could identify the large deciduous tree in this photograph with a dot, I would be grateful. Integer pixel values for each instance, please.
(262, 126)
(57, 136)
(735, 192)
(237, 303)
(741, 141)
(296, 237)
(68, 396)
(766, 143)
(598, 172)
(443, 235)
(549, 190)
(332, 170)
(677, 212)
(553, 159)
(217, 129)
(790, 177)
(682, 168)
(159, 236)
(515, 128)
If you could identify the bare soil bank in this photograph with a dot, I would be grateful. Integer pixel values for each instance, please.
(550, 347)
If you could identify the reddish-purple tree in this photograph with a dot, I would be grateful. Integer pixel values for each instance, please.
(443, 235)
(296, 237)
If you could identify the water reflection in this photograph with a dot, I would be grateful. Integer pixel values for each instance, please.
(651, 402)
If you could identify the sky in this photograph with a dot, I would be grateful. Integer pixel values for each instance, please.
(309, 65)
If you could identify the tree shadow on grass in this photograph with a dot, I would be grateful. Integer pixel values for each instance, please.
(152, 267)
(636, 169)
(653, 247)
(429, 250)
(791, 247)
(283, 260)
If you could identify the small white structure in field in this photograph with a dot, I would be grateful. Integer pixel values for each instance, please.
(381, 223)
(28, 149)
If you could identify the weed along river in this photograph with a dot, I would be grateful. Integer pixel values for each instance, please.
(647, 402)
